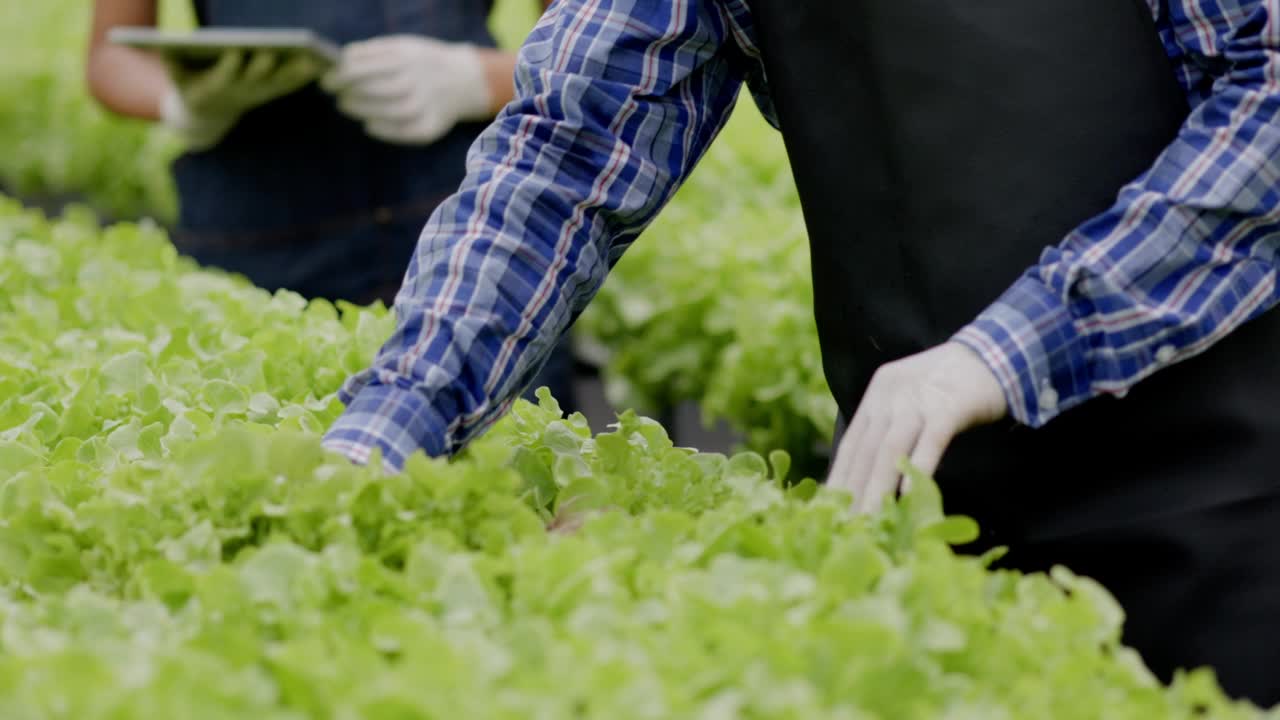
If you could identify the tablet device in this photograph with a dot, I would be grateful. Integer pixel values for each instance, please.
(202, 47)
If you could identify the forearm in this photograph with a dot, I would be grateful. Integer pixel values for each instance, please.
(501, 269)
(128, 81)
(499, 69)
(569, 172)
(1185, 256)
(125, 80)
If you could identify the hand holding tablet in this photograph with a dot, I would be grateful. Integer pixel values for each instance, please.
(221, 73)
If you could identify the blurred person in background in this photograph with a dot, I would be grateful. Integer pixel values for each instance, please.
(318, 183)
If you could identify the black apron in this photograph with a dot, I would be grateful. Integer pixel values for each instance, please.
(938, 148)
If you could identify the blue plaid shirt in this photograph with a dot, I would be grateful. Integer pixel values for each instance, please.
(618, 99)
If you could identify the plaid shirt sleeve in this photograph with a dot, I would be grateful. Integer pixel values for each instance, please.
(616, 100)
(1186, 254)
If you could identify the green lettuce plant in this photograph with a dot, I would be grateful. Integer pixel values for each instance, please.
(174, 542)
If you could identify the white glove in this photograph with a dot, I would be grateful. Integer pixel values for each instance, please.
(408, 89)
(204, 105)
(912, 410)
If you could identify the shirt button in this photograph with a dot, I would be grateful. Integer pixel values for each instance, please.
(1165, 354)
(383, 215)
(1048, 399)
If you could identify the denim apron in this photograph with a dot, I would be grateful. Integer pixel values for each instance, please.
(297, 196)
(938, 148)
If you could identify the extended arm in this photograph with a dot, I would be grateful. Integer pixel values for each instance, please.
(1184, 257)
(614, 107)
